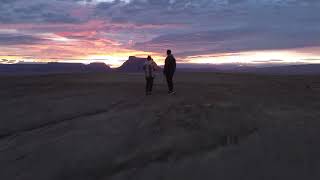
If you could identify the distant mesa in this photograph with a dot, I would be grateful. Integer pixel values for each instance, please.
(133, 64)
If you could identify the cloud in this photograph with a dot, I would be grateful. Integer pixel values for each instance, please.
(6, 61)
(10, 40)
(37, 11)
(287, 19)
(189, 27)
(268, 61)
(232, 40)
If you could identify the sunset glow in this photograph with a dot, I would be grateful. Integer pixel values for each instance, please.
(256, 57)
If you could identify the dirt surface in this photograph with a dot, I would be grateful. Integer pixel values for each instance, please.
(102, 126)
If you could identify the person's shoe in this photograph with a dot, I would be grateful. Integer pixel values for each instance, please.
(171, 92)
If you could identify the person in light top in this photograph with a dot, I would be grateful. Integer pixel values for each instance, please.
(149, 68)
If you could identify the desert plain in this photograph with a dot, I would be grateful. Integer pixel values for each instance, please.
(101, 126)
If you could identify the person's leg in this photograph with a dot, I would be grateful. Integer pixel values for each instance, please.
(151, 84)
(169, 81)
(147, 85)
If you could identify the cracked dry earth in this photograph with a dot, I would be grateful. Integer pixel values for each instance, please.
(101, 126)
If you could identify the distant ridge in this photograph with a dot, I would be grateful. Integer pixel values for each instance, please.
(135, 64)
(51, 68)
(304, 69)
(196, 68)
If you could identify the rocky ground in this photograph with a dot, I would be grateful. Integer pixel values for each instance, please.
(217, 126)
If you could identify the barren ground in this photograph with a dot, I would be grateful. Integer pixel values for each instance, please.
(217, 126)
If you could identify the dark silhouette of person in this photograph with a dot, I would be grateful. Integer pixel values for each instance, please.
(149, 68)
(169, 70)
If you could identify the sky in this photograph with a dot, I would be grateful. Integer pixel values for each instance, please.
(197, 31)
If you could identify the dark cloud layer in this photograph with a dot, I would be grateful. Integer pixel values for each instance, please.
(235, 40)
(8, 40)
(36, 11)
(221, 26)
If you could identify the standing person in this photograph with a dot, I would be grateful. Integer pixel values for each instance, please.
(149, 67)
(169, 70)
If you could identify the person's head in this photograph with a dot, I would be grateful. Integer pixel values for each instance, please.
(149, 58)
(168, 52)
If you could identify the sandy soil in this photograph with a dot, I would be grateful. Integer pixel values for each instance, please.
(102, 126)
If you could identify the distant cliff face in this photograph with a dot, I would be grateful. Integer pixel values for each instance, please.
(133, 64)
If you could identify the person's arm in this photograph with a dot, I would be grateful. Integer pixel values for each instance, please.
(154, 66)
(174, 64)
(165, 67)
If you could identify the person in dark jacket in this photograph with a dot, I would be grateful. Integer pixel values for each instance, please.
(169, 70)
